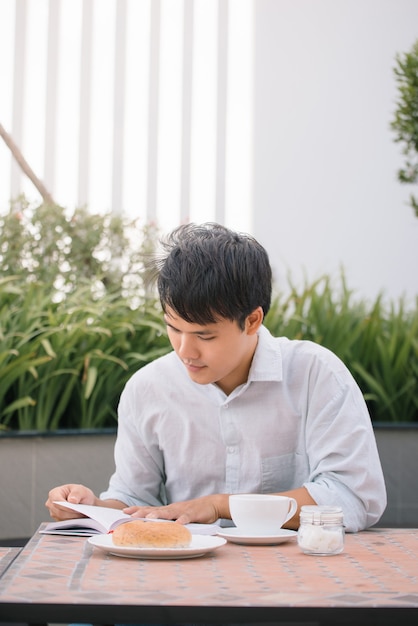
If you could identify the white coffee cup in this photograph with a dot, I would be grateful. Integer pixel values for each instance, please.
(261, 513)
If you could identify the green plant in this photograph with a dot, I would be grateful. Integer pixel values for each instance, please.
(378, 342)
(64, 364)
(405, 122)
(386, 362)
(45, 243)
(76, 318)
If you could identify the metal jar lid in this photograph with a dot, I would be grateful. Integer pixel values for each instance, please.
(320, 515)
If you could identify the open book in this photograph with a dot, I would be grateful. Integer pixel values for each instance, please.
(101, 520)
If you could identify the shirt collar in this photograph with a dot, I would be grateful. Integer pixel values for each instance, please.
(267, 361)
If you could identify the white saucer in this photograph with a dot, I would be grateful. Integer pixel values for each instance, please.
(236, 536)
(201, 544)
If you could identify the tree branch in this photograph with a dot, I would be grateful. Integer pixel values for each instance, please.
(25, 167)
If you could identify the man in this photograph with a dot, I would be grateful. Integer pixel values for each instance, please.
(232, 409)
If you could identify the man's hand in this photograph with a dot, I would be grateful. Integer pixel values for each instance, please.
(76, 494)
(205, 510)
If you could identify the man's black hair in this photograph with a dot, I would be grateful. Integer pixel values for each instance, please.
(208, 272)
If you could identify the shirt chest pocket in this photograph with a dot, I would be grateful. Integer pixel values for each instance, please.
(279, 473)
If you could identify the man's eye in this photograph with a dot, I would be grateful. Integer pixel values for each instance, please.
(205, 338)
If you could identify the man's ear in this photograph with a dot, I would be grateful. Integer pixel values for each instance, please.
(254, 321)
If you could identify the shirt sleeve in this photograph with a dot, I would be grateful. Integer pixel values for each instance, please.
(345, 468)
(139, 476)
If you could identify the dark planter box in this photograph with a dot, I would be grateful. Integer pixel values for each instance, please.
(31, 464)
(398, 449)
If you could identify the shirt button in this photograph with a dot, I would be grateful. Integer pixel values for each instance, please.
(231, 449)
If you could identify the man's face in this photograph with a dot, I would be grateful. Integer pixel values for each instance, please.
(218, 353)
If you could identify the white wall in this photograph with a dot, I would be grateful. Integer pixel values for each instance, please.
(325, 163)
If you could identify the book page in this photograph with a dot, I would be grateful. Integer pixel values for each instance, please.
(103, 519)
(106, 516)
(80, 527)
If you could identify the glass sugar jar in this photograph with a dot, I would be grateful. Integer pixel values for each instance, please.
(321, 530)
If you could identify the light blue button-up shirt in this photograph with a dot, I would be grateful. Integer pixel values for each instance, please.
(299, 420)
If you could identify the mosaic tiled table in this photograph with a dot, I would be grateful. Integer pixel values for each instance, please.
(62, 579)
(7, 555)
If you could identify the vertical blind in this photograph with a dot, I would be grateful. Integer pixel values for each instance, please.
(135, 106)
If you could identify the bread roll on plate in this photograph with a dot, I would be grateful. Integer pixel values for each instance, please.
(152, 535)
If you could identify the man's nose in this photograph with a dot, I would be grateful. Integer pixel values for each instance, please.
(187, 347)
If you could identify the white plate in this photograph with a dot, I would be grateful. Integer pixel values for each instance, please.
(236, 536)
(201, 544)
